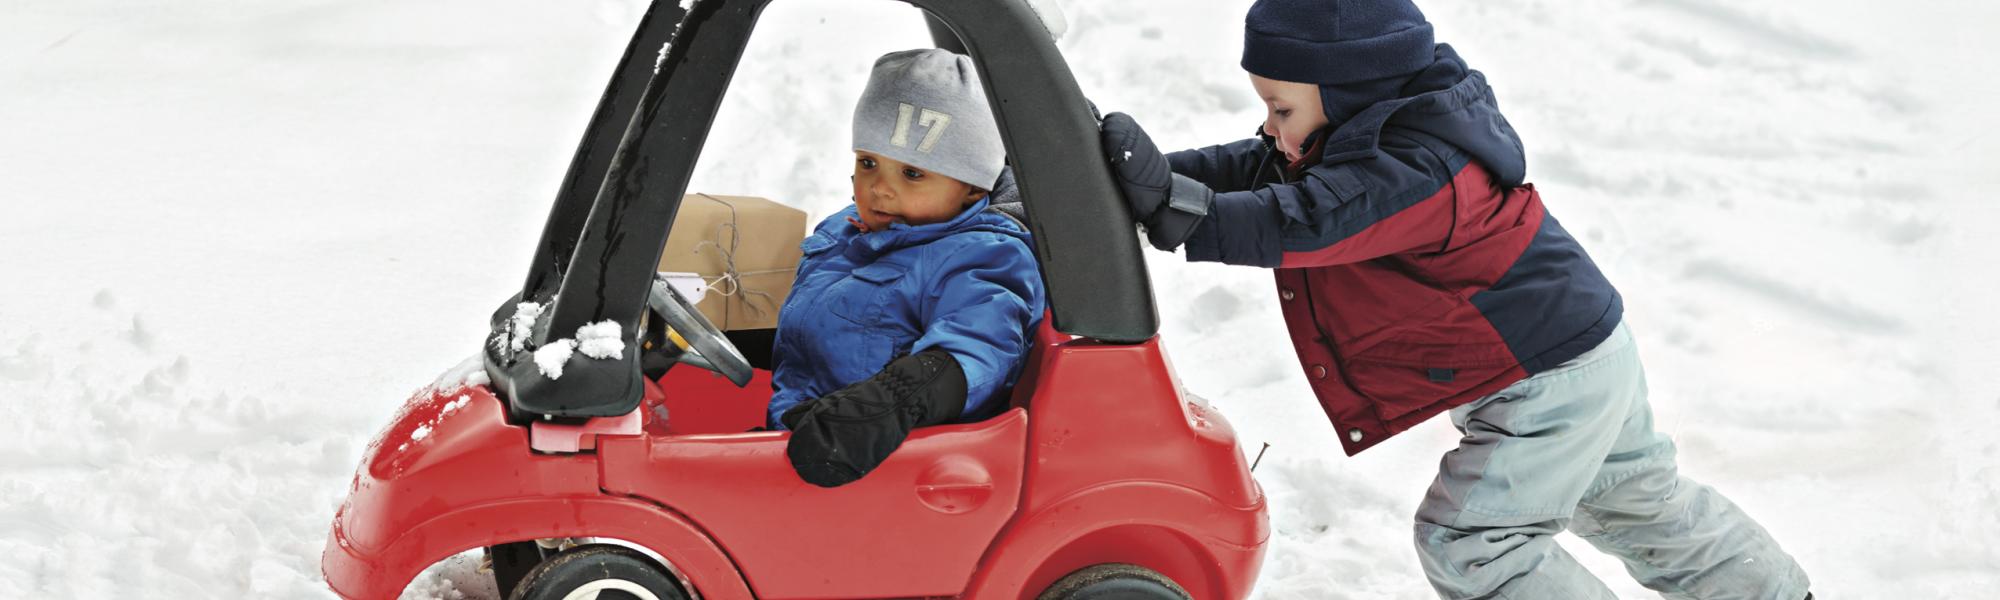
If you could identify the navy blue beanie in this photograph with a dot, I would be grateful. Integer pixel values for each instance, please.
(1331, 42)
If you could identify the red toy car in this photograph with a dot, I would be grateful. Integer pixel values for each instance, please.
(1102, 481)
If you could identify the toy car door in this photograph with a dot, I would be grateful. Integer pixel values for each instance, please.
(914, 527)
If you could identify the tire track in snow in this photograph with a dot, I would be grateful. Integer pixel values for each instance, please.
(1833, 310)
(1762, 30)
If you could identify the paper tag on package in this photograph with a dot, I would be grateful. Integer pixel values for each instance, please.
(690, 285)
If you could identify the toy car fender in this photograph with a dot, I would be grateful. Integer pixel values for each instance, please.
(469, 480)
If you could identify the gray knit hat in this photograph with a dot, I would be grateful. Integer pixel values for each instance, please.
(927, 109)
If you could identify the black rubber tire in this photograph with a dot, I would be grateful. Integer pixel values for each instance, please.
(1115, 581)
(511, 563)
(598, 565)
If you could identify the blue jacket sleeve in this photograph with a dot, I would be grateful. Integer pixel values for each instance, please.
(788, 389)
(791, 382)
(791, 374)
(1227, 167)
(986, 299)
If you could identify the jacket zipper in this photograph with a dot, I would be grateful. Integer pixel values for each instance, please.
(1266, 168)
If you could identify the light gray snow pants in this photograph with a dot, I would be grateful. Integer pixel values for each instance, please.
(1574, 448)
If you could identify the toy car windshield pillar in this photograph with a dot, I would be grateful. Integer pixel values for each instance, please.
(594, 152)
(942, 36)
(1084, 235)
(609, 271)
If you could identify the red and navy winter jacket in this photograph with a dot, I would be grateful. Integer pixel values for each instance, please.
(1415, 269)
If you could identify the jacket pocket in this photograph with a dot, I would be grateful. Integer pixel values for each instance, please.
(1403, 378)
(863, 297)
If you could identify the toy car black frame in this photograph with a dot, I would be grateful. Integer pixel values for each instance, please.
(617, 203)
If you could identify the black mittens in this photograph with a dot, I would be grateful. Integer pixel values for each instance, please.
(840, 437)
(1168, 204)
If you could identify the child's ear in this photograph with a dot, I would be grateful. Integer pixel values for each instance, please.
(973, 194)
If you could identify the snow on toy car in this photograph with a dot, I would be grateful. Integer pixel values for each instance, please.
(607, 410)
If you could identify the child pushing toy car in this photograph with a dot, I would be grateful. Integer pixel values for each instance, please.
(1418, 275)
(913, 307)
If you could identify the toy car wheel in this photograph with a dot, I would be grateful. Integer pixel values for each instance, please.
(1115, 582)
(511, 563)
(598, 573)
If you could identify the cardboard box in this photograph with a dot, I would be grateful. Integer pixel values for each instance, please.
(759, 237)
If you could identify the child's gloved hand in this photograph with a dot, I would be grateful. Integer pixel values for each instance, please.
(1167, 203)
(840, 437)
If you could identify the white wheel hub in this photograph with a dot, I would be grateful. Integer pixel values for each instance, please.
(590, 591)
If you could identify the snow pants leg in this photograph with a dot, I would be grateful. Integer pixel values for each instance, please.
(1574, 448)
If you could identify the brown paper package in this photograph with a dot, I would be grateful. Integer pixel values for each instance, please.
(762, 237)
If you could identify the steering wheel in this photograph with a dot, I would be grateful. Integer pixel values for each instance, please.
(699, 342)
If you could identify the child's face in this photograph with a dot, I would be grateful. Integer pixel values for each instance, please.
(887, 191)
(1292, 111)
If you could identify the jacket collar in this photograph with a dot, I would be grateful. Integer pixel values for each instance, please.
(836, 231)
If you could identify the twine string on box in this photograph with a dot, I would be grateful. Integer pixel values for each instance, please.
(730, 283)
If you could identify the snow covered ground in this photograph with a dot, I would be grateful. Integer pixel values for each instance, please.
(237, 234)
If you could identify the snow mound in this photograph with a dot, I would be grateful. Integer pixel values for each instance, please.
(522, 325)
(550, 358)
(149, 473)
(601, 340)
(469, 372)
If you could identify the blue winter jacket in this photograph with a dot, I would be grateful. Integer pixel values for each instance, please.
(969, 286)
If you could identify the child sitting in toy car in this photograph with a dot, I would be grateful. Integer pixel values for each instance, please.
(916, 305)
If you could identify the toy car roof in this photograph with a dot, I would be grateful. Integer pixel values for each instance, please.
(617, 202)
